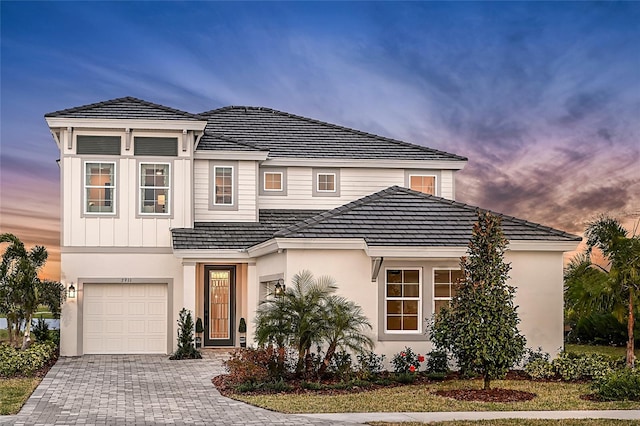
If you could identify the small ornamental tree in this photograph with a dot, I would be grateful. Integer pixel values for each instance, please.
(185, 350)
(479, 327)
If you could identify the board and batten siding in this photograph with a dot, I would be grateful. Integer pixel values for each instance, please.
(247, 181)
(126, 228)
(355, 183)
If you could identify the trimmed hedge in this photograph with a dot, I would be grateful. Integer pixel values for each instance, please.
(15, 362)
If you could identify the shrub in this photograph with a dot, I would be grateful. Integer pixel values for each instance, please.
(341, 365)
(254, 366)
(437, 362)
(185, 350)
(540, 368)
(14, 362)
(406, 361)
(570, 366)
(370, 365)
(618, 385)
(41, 330)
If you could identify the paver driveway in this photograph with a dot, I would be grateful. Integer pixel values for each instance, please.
(139, 390)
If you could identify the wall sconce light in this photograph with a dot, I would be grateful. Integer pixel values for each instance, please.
(280, 287)
(71, 291)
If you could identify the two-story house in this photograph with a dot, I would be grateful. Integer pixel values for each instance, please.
(164, 209)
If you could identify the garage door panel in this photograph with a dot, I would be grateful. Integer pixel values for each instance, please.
(125, 318)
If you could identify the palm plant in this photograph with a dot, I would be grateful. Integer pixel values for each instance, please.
(295, 317)
(21, 291)
(612, 288)
(347, 326)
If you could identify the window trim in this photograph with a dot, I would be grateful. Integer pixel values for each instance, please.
(264, 181)
(315, 192)
(433, 281)
(420, 299)
(114, 212)
(139, 198)
(435, 181)
(212, 185)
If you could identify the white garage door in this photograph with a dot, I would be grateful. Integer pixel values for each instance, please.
(124, 318)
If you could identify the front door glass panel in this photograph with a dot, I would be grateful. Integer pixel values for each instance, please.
(219, 302)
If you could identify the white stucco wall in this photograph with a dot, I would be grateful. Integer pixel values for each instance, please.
(537, 276)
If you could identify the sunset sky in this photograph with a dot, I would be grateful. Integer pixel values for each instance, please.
(543, 98)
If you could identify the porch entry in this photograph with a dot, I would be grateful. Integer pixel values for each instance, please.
(219, 305)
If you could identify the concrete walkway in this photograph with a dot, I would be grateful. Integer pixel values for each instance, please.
(151, 390)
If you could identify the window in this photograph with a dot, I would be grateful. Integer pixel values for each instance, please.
(273, 181)
(223, 182)
(421, 183)
(403, 302)
(155, 181)
(445, 285)
(99, 184)
(326, 182)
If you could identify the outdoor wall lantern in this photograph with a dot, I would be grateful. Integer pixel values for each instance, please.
(280, 288)
(72, 291)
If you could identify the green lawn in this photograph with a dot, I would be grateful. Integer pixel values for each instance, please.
(42, 310)
(520, 422)
(613, 351)
(416, 398)
(15, 392)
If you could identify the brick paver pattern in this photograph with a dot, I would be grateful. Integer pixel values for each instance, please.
(140, 390)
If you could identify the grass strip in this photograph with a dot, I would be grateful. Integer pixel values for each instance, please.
(420, 398)
(519, 422)
(15, 392)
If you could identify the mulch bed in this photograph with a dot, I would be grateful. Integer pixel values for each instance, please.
(491, 395)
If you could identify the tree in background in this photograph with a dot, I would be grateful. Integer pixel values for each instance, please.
(480, 326)
(613, 288)
(21, 291)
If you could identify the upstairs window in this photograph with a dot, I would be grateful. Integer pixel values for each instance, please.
(445, 286)
(155, 188)
(326, 183)
(273, 181)
(423, 183)
(223, 185)
(403, 300)
(99, 184)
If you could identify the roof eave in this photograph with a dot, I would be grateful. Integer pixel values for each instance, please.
(388, 163)
(125, 123)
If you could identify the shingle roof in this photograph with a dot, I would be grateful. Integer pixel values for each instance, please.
(395, 216)
(217, 142)
(125, 108)
(237, 235)
(289, 135)
(399, 216)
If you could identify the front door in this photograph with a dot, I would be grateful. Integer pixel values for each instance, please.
(219, 307)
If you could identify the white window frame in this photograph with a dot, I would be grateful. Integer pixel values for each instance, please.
(435, 182)
(433, 280)
(335, 180)
(419, 299)
(112, 187)
(264, 181)
(224, 166)
(141, 188)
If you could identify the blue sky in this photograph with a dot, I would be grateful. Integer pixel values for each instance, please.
(543, 98)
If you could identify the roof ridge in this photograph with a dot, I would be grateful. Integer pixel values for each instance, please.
(115, 100)
(336, 126)
(333, 212)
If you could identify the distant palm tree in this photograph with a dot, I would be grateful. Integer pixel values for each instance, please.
(21, 291)
(347, 324)
(613, 288)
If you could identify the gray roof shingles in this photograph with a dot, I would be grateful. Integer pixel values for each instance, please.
(125, 108)
(237, 235)
(395, 216)
(289, 135)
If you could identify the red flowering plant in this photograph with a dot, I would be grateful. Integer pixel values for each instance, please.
(406, 361)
